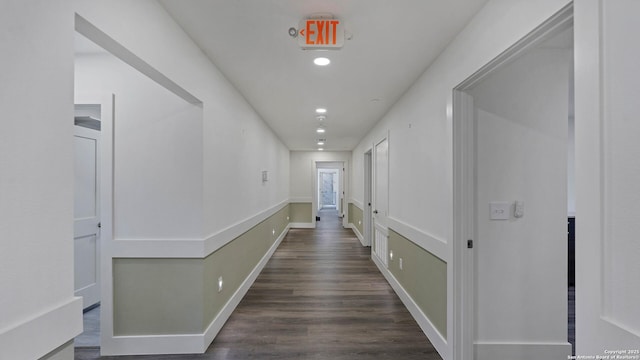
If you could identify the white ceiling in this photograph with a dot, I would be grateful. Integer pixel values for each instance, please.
(392, 43)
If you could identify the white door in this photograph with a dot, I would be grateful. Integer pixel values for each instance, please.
(607, 179)
(87, 215)
(381, 200)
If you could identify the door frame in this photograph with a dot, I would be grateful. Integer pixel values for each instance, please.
(107, 171)
(464, 181)
(78, 130)
(341, 165)
(368, 198)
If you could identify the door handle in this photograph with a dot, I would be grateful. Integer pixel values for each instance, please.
(99, 225)
(375, 211)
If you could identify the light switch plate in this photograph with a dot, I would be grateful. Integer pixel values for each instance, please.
(499, 210)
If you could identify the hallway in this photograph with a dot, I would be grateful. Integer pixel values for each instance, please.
(319, 297)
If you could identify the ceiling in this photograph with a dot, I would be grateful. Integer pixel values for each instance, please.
(391, 44)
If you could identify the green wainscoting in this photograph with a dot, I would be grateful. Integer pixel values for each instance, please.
(355, 217)
(158, 296)
(300, 212)
(424, 277)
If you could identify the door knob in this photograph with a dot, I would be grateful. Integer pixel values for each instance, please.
(375, 211)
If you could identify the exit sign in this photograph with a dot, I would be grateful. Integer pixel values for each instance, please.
(320, 34)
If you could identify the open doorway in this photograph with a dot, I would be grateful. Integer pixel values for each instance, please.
(328, 189)
(511, 141)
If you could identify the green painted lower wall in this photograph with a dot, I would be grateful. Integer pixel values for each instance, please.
(355, 217)
(424, 277)
(301, 212)
(180, 296)
(235, 261)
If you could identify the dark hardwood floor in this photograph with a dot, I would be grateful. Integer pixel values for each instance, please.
(319, 297)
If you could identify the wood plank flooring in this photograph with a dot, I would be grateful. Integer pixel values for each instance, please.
(319, 297)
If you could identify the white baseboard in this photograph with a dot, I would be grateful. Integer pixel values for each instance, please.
(43, 333)
(438, 341)
(357, 232)
(302, 225)
(190, 343)
(521, 351)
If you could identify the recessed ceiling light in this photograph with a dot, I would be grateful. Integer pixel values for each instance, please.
(322, 61)
(320, 149)
(320, 142)
(321, 110)
(320, 130)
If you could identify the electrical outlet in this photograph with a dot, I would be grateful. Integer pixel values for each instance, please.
(400, 263)
(359, 222)
(273, 232)
(287, 218)
(220, 283)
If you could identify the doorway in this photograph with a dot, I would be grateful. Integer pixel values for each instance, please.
(329, 190)
(511, 135)
(87, 219)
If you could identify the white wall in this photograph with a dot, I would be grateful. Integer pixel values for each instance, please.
(237, 144)
(38, 312)
(303, 172)
(420, 128)
(158, 150)
(522, 121)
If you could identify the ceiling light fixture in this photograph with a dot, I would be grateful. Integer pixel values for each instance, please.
(322, 61)
(321, 110)
(320, 143)
(320, 149)
(320, 130)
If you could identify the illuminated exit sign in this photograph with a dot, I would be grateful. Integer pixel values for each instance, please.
(320, 34)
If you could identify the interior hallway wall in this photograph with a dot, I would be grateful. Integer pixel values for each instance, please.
(218, 150)
(38, 311)
(237, 143)
(303, 174)
(419, 126)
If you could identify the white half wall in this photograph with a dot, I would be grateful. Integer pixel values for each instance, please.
(237, 144)
(157, 152)
(38, 311)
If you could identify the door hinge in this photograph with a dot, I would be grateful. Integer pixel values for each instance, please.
(469, 244)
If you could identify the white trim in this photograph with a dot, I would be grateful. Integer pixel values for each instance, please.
(302, 225)
(190, 248)
(36, 336)
(432, 244)
(233, 302)
(357, 232)
(221, 238)
(357, 203)
(190, 343)
(437, 340)
(492, 351)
